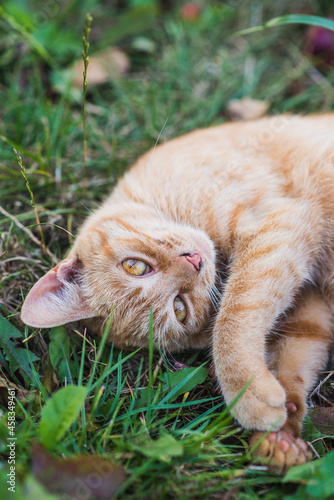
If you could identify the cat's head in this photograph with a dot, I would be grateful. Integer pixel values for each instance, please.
(124, 264)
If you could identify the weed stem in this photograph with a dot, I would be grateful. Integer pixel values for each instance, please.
(85, 57)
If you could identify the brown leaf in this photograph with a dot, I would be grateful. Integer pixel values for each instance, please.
(246, 109)
(323, 419)
(20, 393)
(82, 477)
(328, 393)
(49, 379)
(109, 64)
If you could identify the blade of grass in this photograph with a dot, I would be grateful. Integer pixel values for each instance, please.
(321, 22)
(28, 37)
(169, 406)
(116, 396)
(115, 367)
(150, 362)
(99, 352)
(177, 387)
(82, 361)
(34, 156)
(33, 369)
(29, 233)
(133, 401)
(110, 426)
(18, 402)
(108, 370)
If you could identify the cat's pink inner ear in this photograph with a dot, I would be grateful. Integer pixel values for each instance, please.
(56, 298)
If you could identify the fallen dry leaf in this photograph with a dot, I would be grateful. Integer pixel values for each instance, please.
(20, 393)
(323, 419)
(49, 379)
(82, 477)
(108, 64)
(246, 109)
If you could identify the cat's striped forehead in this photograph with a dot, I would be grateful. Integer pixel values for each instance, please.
(109, 240)
(115, 236)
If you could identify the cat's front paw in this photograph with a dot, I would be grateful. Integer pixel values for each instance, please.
(262, 406)
(279, 450)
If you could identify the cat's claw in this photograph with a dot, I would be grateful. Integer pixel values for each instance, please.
(279, 450)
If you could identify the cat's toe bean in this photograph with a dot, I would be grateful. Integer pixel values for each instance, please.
(291, 407)
(272, 436)
(305, 449)
(279, 450)
(284, 445)
(302, 444)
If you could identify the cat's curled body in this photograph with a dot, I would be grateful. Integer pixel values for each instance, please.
(246, 208)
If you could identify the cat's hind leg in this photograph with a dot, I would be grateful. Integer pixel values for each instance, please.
(298, 351)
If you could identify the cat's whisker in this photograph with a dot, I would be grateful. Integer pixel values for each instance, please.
(156, 204)
(216, 292)
(215, 297)
(213, 301)
(182, 347)
(167, 353)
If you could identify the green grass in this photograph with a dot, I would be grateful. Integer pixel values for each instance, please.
(173, 441)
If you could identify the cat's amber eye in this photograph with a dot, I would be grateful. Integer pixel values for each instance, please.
(136, 267)
(180, 309)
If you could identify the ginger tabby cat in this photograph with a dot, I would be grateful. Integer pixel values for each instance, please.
(228, 233)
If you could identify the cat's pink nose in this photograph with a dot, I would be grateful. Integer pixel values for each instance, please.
(195, 259)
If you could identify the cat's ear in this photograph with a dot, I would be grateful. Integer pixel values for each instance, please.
(56, 298)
